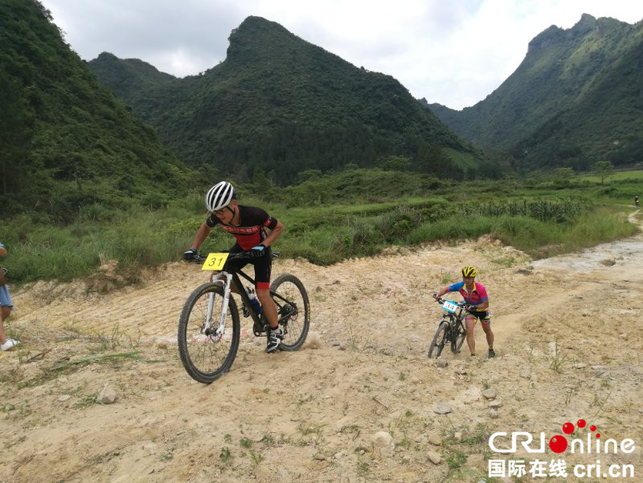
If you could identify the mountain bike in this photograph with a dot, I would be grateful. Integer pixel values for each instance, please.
(450, 329)
(209, 325)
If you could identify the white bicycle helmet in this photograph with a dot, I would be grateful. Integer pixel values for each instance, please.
(219, 196)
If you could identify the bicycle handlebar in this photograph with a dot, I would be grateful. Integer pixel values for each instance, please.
(441, 301)
(246, 255)
(198, 258)
(462, 304)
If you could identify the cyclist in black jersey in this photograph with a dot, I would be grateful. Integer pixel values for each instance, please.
(255, 230)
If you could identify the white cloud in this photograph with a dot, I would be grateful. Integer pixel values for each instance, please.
(454, 53)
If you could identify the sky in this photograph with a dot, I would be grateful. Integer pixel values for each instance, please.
(454, 52)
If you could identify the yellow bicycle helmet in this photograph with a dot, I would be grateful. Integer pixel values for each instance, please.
(469, 272)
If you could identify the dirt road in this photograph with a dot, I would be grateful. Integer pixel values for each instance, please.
(367, 405)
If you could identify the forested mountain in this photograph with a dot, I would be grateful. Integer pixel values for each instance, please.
(128, 78)
(576, 98)
(66, 143)
(281, 105)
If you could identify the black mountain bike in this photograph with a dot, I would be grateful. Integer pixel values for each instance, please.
(209, 326)
(450, 330)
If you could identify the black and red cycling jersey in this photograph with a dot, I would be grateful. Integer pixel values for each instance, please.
(251, 230)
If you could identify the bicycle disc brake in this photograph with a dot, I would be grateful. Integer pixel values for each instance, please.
(213, 334)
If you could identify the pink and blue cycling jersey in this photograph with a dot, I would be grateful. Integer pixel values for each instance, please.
(476, 297)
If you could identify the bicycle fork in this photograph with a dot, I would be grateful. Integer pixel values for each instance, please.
(218, 278)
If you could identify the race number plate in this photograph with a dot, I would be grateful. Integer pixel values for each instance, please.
(449, 306)
(215, 261)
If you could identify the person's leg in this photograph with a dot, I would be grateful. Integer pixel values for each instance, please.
(5, 342)
(489, 334)
(276, 333)
(6, 304)
(234, 266)
(4, 314)
(470, 323)
(263, 269)
(268, 306)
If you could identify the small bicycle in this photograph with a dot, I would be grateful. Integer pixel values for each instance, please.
(209, 326)
(451, 329)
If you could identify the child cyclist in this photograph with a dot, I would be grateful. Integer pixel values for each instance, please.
(249, 225)
(475, 295)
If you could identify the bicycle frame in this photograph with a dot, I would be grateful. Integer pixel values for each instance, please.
(256, 318)
(227, 279)
(458, 316)
(450, 329)
(456, 323)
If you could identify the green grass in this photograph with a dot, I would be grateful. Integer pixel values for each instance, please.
(539, 217)
(615, 177)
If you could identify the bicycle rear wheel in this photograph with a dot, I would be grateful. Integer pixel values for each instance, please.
(293, 310)
(207, 354)
(439, 340)
(458, 338)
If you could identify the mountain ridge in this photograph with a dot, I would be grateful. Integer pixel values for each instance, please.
(129, 76)
(282, 105)
(67, 143)
(560, 75)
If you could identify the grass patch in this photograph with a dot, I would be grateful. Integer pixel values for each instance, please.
(558, 359)
(245, 443)
(539, 217)
(256, 458)
(462, 442)
(86, 401)
(225, 454)
(456, 459)
(311, 429)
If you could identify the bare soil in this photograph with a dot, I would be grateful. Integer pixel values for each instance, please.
(568, 343)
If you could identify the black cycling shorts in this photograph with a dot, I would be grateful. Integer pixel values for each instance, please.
(484, 316)
(263, 266)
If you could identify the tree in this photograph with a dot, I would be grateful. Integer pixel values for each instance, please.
(604, 169)
(564, 173)
(396, 163)
(15, 135)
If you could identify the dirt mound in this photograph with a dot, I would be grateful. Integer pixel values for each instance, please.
(361, 403)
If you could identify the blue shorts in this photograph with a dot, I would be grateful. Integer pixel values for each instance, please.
(5, 298)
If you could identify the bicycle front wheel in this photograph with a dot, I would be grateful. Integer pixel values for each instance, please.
(206, 353)
(293, 310)
(439, 340)
(458, 338)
